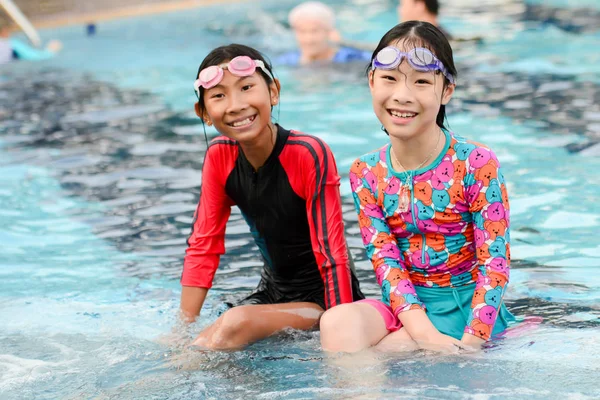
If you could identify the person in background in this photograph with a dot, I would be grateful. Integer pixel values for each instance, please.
(15, 49)
(421, 10)
(318, 40)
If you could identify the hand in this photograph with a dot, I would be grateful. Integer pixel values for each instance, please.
(437, 341)
(54, 46)
(472, 341)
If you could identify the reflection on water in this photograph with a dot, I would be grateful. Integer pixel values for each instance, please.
(98, 185)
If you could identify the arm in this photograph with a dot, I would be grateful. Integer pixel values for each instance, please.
(488, 203)
(192, 299)
(381, 245)
(207, 241)
(324, 212)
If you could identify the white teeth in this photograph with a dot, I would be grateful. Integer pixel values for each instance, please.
(247, 121)
(402, 115)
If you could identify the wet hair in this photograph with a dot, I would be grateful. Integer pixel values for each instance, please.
(226, 53)
(433, 6)
(422, 34)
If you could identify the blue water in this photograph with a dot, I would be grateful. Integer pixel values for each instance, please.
(94, 224)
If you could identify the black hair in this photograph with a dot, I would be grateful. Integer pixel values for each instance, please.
(422, 34)
(433, 6)
(225, 53)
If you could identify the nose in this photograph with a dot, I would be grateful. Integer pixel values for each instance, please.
(403, 94)
(236, 103)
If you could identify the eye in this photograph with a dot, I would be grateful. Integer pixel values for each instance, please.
(388, 78)
(217, 96)
(247, 87)
(423, 82)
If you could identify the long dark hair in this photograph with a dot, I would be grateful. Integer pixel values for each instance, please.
(422, 34)
(226, 53)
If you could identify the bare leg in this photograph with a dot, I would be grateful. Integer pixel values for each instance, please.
(396, 342)
(351, 327)
(243, 325)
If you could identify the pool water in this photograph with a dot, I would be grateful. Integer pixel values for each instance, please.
(100, 161)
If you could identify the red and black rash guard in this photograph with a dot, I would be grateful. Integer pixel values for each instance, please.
(293, 207)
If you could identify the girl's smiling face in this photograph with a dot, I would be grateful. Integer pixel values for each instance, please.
(240, 107)
(407, 101)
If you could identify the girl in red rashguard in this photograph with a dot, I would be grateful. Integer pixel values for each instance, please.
(286, 186)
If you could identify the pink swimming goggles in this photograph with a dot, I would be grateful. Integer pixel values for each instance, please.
(240, 66)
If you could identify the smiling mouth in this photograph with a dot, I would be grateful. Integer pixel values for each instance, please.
(402, 114)
(242, 122)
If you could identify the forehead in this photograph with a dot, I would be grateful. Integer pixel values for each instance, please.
(407, 44)
(231, 80)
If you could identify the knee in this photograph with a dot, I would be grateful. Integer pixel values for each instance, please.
(229, 333)
(340, 328)
(337, 319)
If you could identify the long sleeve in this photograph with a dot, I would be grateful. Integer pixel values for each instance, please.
(488, 204)
(381, 245)
(207, 241)
(324, 211)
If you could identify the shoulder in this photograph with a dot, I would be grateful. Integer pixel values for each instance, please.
(374, 157)
(222, 142)
(222, 146)
(473, 153)
(308, 144)
(374, 162)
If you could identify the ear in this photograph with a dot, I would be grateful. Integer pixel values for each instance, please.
(275, 89)
(202, 115)
(371, 77)
(334, 36)
(448, 92)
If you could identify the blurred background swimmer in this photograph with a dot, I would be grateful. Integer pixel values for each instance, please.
(14, 49)
(421, 10)
(318, 40)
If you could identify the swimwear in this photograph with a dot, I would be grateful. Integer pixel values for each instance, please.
(454, 232)
(448, 310)
(343, 55)
(292, 205)
(23, 51)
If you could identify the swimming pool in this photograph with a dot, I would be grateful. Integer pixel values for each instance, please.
(99, 176)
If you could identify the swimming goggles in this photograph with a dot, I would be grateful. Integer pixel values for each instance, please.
(240, 66)
(419, 58)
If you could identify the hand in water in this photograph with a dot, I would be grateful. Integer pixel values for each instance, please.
(472, 341)
(441, 343)
(54, 46)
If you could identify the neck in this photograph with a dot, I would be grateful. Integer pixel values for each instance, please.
(418, 152)
(258, 151)
(326, 55)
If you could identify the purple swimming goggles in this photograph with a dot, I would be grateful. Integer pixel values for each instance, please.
(239, 66)
(419, 58)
